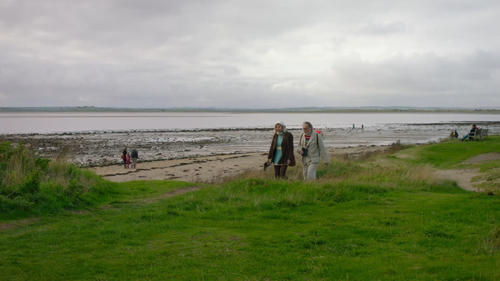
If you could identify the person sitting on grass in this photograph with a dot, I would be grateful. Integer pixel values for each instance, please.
(472, 132)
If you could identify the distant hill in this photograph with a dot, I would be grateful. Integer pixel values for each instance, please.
(286, 109)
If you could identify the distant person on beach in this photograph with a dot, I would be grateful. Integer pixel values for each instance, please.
(472, 131)
(312, 149)
(281, 150)
(135, 156)
(124, 157)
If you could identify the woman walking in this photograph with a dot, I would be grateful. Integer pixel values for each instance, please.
(124, 157)
(281, 151)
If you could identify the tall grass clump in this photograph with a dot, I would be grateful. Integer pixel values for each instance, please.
(30, 183)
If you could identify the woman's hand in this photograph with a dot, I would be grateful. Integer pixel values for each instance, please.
(301, 152)
(288, 161)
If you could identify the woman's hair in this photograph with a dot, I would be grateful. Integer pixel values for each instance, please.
(282, 125)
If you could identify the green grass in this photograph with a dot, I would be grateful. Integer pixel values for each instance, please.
(378, 219)
(452, 153)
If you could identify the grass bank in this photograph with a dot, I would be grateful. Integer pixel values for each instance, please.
(380, 218)
(33, 185)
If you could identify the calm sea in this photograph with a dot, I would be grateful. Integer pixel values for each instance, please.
(75, 122)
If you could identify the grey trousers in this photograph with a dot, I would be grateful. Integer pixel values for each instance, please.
(309, 170)
(134, 163)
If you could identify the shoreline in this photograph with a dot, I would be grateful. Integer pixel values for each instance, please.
(229, 129)
(102, 149)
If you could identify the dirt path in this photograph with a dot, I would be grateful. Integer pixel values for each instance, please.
(9, 225)
(463, 177)
(482, 158)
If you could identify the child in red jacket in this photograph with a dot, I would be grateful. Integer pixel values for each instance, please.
(127, 160)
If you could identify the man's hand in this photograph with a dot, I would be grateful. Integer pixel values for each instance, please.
(301, 152)
(288, 161)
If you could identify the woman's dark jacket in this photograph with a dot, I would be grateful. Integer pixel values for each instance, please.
(286, 149)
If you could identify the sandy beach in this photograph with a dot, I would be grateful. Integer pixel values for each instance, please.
(206, 169)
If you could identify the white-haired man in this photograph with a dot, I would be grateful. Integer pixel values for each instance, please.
(312, 149)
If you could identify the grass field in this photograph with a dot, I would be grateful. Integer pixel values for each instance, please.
(382, 218)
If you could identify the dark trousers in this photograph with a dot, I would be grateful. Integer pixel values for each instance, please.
(280, 171)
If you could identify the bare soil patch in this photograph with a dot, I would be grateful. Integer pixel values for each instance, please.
(463, 177)
(10, 225)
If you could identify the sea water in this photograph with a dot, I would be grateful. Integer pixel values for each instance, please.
(22, 123)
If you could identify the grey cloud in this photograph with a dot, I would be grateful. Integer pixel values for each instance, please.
(246, 53)
(383, 28)
(420, 79)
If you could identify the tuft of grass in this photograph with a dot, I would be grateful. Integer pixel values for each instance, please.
(491, 244)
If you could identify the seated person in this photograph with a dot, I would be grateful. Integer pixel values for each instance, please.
(472, 132)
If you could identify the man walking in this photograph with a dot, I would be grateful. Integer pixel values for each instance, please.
(134, 155)
(312, 149)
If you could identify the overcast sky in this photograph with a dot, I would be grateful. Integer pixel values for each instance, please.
(249, 53)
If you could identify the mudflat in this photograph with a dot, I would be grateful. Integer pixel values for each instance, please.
(90, 149)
